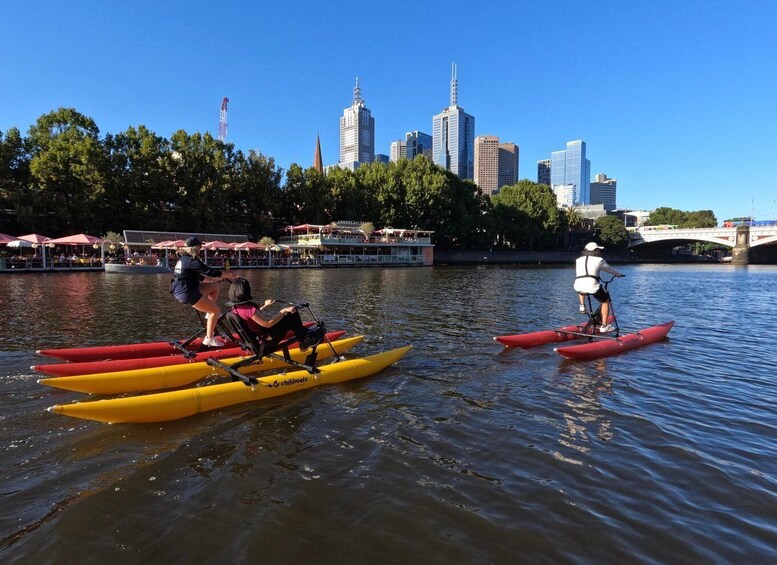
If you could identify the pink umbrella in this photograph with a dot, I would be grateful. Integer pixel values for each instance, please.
(78, 239)
(6, 238)
(249, 245)
(35, 238)
(211, 245)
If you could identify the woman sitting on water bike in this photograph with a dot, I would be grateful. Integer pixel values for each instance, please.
(273, 329)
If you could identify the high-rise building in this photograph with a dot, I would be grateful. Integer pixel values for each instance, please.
(571, 168)
(508, 164)
(487, 164)
(398, 150)
(603, 191)
(543, 172)
(417, 143)
(357, 131)
(381, 158)
(453, 137)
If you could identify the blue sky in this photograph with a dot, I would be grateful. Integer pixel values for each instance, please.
(677, 100)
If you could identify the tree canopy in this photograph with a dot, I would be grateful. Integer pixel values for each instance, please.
(672, 216)
(63, 178)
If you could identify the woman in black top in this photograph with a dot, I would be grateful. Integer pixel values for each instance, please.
(190, 287)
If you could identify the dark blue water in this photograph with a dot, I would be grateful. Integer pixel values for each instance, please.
(458, 454)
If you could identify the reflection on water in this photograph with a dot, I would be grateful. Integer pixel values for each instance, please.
(585, 418)
(491, 454)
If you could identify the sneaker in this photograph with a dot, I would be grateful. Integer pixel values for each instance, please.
(213, 342)
(581, 309)
(314, 336)
(606, 329)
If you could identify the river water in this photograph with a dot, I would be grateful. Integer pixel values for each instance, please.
(461, 453)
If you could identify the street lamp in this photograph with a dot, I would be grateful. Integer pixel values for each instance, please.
(101, 247)
(43, 247)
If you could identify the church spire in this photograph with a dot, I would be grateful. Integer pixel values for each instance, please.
(318, 163)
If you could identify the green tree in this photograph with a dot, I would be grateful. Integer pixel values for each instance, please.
(611, 232)
(526, 216)
(672, 216)
(305, 196)
(14, 182)
(254, 197)
(139, 188)
(68, 171)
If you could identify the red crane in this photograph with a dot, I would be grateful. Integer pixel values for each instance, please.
(223, 119)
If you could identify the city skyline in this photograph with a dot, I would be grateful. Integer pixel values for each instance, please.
(678, 109)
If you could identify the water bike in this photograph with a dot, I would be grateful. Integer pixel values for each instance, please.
(597, 344)
(264, 355)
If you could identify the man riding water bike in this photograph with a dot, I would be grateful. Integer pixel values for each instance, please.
(587, 281)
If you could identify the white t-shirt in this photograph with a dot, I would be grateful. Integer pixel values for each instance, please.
(587, 270)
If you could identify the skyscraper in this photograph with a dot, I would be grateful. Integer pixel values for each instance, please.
(417, 143)
(398, 150)
(487, 164)
(357, 132)
(543, 172)
(603, 191)
(453, 136)
(570, 168)
(508, 164)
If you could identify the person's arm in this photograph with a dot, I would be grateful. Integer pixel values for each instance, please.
(265, 323)
(605, 267)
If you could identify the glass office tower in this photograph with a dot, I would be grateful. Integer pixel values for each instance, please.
(570, 168)
(417, 143)
(453, 137)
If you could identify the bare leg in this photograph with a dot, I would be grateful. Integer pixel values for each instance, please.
(605, 312)
(212, 311)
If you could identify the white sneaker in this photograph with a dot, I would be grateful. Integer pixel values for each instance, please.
(606, 329)
(213, 342)
(581, 309)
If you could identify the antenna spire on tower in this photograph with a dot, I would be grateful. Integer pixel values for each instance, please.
(454, 86)
(223, 119)
(357, 93)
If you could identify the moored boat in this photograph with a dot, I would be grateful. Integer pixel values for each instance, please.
(611, 346)
(135, 269)
(156, 378)
(173, 405)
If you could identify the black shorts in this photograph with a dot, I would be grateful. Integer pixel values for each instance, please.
(601, 295)
(191, 298)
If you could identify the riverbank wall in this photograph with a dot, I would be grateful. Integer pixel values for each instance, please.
(550, 258)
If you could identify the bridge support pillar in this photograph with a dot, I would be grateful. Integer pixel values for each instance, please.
(740, 255)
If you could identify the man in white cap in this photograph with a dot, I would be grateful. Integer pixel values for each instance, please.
(587, 281)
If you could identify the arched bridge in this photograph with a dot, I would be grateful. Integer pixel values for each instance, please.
(758, 235)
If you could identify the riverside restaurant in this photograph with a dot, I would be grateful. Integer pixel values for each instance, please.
(334, 245)
(345, 245)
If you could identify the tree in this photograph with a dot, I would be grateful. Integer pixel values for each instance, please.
(14, 181)
(526, 216)
(672, 216)
(67, 168)
(139, 188)
(612, 233)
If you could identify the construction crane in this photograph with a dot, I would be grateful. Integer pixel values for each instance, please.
(223, 119)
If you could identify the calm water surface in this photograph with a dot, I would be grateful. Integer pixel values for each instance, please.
(460, 453)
